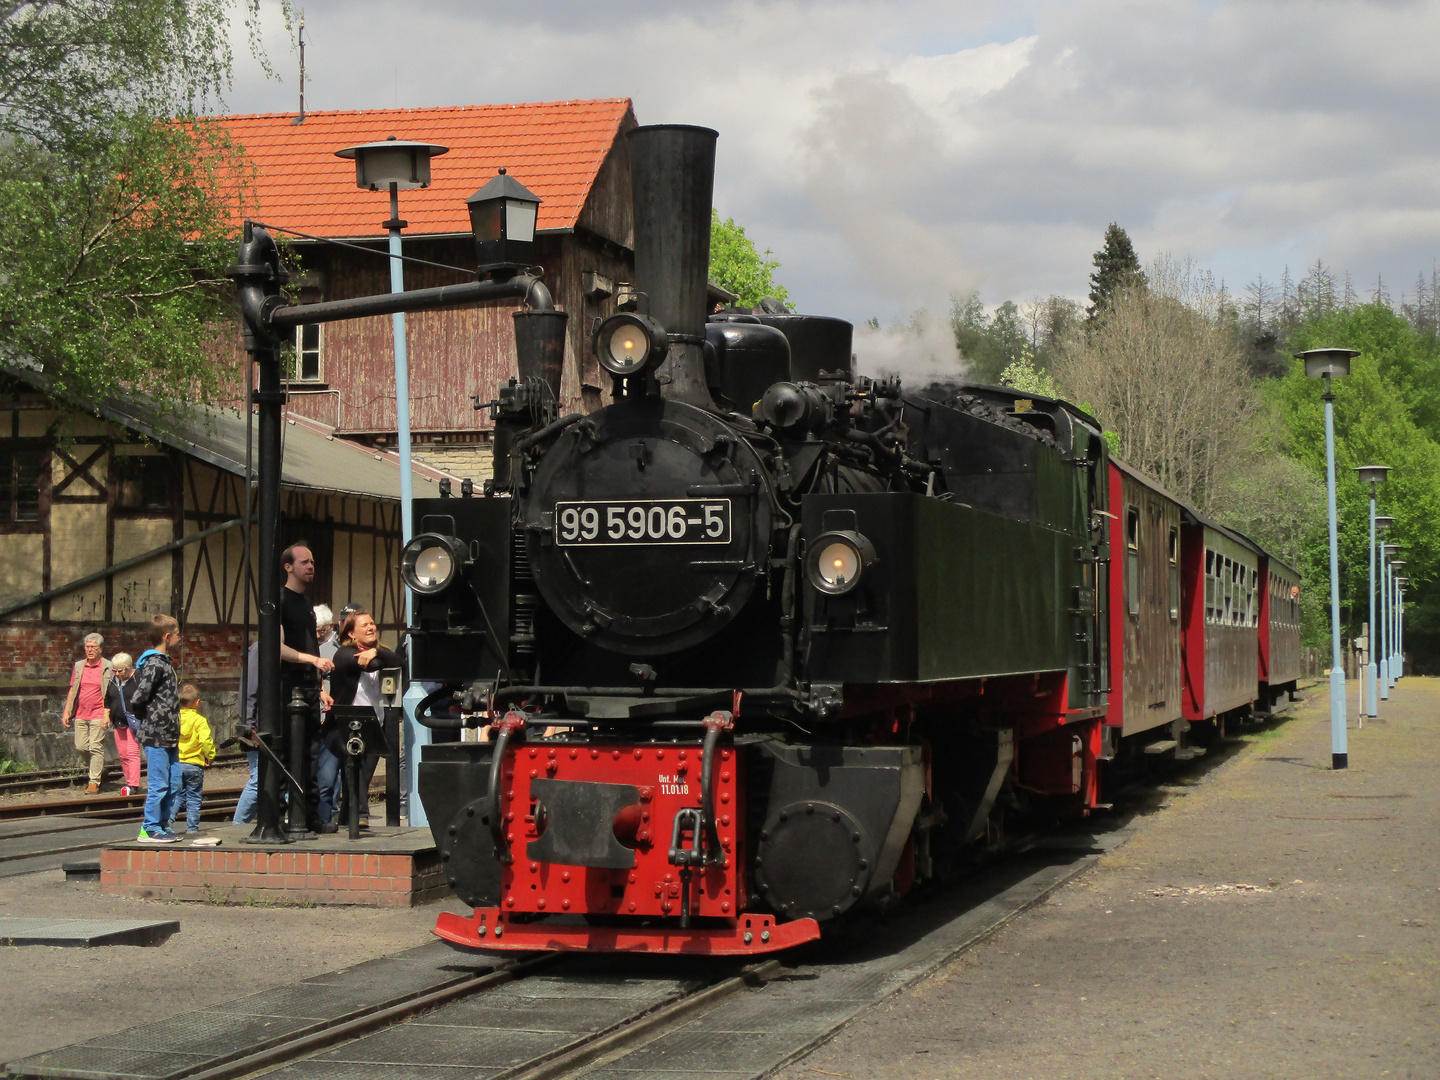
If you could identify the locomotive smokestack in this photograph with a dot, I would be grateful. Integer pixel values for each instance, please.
(540, 347)
(672, 170)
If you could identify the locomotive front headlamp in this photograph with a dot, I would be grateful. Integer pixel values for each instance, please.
(628, 344)
(431, 562)
(838, 560)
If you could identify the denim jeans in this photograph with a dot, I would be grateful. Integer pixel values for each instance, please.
(192, 783)
(162, 778)
(245, 808)
(329, 778)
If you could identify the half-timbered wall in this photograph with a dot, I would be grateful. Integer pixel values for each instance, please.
(84, 495)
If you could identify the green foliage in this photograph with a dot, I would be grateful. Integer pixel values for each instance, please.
(989, 344)
(1022, 376)
(114, 218)
(1373, 425)
(736, 264)
(1117, 267)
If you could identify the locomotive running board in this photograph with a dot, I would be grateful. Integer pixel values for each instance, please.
(489, 929)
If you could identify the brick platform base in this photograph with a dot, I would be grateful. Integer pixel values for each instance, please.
(389, 868)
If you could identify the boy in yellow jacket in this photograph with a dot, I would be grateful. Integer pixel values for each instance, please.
(197, 750)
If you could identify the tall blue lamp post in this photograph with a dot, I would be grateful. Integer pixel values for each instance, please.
(396, 164)
(1329, 364)
(1396, 616)
(1387, 573)
(1382, 616)
(1373, 475)
(1400, 622)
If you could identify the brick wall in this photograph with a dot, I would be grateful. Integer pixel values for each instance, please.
(38, 654)
(473, 460)
(35, 664)
(229, 876)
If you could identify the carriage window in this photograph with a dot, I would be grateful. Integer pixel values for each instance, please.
(1174, 574)
(1132, 559)
(1209, 586)
(1227, 585)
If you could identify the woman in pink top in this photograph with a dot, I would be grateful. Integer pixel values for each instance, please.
(85, 704)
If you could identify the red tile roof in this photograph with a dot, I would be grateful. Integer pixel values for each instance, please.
(553, 148)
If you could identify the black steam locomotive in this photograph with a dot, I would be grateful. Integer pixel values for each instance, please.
(760, 643)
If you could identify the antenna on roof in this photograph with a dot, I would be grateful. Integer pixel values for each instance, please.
(301, 118)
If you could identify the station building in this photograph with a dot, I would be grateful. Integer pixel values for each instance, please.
(111, 514)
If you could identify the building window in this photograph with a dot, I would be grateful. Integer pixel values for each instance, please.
(142, 483)
(20, 485)
(307, 352)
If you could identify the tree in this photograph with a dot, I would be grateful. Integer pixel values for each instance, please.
(987, 344)
(116, 200)
(1117, 269)
(1163, 369)
(736, 264)
(1022, 376)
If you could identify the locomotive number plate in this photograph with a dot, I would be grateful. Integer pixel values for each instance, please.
(643, 521)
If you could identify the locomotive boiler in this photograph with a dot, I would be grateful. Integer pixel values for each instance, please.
(762, 642)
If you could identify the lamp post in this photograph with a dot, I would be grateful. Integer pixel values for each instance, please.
(1387, 556)
(1382, 525)
(1329, 364)
(1400, 622)
(1395, 566)
(1373, 475)
(396, 164)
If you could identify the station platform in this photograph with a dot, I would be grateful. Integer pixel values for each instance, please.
(385, 867)
(1270, 917)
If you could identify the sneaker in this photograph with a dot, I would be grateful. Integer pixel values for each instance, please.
(163, 836)
(92, 788)
(326, 827)
(192, 832)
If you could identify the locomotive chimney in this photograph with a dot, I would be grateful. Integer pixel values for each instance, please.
(672, 170)
(540, 347)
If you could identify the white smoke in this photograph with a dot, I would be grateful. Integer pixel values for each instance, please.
(921, 351)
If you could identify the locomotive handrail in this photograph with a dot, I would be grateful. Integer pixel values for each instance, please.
(509, 693)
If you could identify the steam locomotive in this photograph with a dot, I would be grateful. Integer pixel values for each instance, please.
(764, 642)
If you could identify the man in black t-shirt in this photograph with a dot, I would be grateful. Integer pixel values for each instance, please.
(301, 665)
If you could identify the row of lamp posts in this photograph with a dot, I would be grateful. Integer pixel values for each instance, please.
(1385, 635)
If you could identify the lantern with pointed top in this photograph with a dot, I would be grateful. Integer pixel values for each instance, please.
(502, 217)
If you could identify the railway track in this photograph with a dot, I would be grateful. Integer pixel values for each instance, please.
(33, 779)
(568, 1016)
(563, 1017)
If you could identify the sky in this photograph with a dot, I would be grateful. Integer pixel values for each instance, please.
(892, 154)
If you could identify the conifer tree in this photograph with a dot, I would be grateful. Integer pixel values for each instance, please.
(1116, 268)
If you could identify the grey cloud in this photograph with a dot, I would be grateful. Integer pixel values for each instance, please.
(1246, 134)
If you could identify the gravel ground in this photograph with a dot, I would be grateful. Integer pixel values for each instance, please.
(51, 997)
(1273, 919)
